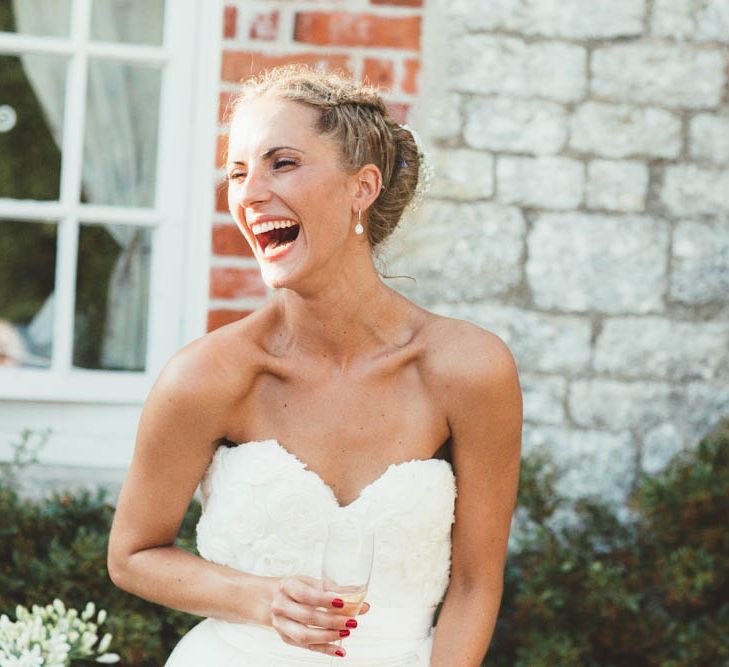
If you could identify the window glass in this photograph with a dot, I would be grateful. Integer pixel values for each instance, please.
(31, 125)
(112, 296)
(27, 279)
(132, 21)
(120, 138)
(49, 18)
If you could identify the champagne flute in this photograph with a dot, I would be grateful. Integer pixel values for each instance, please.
(347, 564)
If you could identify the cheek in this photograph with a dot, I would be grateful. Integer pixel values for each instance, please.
(231, 196)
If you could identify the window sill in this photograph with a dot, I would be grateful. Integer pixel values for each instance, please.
(77, 386)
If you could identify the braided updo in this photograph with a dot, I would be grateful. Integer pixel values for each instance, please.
(357, 118)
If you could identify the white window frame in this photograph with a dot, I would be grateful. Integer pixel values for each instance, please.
(180, 217)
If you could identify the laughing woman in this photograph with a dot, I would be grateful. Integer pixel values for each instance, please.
(337, 397)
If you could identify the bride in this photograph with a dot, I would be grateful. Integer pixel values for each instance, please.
(338, 397)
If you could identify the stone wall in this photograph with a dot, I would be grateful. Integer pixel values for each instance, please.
(580, 210)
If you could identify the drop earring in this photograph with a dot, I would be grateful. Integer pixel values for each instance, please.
(358, 228)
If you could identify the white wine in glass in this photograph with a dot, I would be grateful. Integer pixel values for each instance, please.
(347, 564)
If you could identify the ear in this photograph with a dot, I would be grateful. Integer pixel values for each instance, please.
(367, 183)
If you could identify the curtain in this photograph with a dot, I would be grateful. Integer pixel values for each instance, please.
(119, 154)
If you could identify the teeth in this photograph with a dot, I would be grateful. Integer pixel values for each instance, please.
(261, 227)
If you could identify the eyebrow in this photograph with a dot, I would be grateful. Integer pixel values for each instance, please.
(267, 154)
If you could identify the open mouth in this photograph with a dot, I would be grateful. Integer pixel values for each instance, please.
(274, 236)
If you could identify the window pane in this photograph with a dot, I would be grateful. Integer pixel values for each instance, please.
(112, 294)
(120, 139)
(36, 17)
(33, 91)
(135, 21)
(27, 278)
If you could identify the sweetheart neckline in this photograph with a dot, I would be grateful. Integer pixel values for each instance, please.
(306, 468)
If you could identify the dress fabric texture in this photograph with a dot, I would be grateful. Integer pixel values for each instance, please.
(266, 513)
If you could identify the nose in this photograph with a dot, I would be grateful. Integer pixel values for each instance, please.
(255, 189)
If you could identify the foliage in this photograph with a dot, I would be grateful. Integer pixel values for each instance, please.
(25, 453)
(649, 591)
(57, 547)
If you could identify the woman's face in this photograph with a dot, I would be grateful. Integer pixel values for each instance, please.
(287, 190)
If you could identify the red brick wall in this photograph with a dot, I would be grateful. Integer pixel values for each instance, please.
(377, 41)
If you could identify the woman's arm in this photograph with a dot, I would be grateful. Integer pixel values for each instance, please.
(183, 419)
(484, 405)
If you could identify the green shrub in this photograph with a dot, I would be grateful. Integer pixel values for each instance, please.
(57, 548)
(652, 590)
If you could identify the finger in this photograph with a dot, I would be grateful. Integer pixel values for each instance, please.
(302, 635)
(328, 649)
(306, 590)
(329, 620)
(365, 608)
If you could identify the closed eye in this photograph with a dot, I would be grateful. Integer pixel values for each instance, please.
(284, 162)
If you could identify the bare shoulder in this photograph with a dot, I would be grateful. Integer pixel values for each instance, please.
(463, 356)
(215, 371)
(474, 377)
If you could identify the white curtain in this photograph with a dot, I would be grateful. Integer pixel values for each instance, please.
(120, 149)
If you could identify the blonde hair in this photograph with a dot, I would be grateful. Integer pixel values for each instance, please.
(356, 117)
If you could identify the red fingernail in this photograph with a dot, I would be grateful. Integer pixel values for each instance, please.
(336, 602)
(351, 623)
(344, 633)
(339, 653)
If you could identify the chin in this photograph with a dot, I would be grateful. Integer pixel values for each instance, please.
(277, 276)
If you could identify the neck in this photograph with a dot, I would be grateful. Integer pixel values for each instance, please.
(343, 319)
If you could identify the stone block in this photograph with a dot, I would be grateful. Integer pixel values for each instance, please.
(677, 75)
(709, 138)
(614, 405)
(459, 252)
(586, 263)
(461, 173)
(694, 20)
(658, 348)
(544, 398)
(539, 341)
(543, 182)
(443, 118)
(617, 185)
(698, 412)
(703, 406)
(572, 19)
(486, 64)
(700, 266)
(592, 463)
(680, 413)
(658, 446)
(511, 125)
(689, 190)
(620, 131)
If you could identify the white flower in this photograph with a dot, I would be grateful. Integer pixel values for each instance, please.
(88, 612)
(49, 636)
(275, 558)
(300, 511)
(108, 658)
(104, 643)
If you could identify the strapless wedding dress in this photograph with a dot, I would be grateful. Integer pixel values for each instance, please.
(266, 513)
